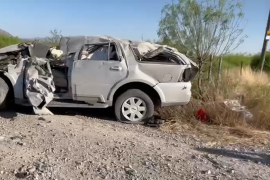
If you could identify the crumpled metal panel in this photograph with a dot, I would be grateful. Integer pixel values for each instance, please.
(13, 48)
(39, 86)
(39, 50)
(10, 48)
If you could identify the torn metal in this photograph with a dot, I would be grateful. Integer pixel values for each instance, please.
(39, 84)
(33, 61)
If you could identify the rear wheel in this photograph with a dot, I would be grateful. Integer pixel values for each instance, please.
(134, 106)
(4, 94)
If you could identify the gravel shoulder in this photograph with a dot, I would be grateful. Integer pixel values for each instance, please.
(69, 146)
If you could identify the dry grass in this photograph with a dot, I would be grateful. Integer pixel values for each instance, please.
(226, 126)
(218, 135)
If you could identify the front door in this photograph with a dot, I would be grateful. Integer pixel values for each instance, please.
(98, 68)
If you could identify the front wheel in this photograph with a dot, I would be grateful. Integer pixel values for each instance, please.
(4, 94)
(134, 106)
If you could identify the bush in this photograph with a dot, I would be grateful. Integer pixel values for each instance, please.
(234, 60)
(6, 41)
(255, 62)
(254, 86)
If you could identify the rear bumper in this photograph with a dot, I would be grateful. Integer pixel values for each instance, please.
(174, 94)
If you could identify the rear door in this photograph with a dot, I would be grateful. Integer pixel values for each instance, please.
(98, 68)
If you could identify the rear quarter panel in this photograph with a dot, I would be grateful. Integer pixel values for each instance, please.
(162, 72)
(151, 74)
(15, 77)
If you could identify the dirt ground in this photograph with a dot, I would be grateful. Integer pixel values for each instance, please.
(89, 144)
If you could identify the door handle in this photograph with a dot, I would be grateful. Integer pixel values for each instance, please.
(115, 68)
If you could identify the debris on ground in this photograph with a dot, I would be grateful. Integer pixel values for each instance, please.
(42, 111)
(38, 170)
(155, 121)
(234, 106)
(18, 140)
(130, 171)
(202, 116)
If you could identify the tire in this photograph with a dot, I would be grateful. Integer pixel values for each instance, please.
(124, 104)
(4, 94)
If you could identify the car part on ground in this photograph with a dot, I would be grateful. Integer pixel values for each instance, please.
(231, 107)
(235, 106)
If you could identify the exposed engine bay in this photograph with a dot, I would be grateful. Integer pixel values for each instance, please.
(30, 64)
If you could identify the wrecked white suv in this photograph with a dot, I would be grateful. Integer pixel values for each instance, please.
(96, 72)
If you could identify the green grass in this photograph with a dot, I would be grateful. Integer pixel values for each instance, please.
(255, 62)
(235, 60)
(232, 61)
(6, 41)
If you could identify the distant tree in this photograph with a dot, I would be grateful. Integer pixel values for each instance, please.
(153, 41)
(202, 28)
(54, 38)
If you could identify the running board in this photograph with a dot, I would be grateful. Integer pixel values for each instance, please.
(68, 104)
(74, 104)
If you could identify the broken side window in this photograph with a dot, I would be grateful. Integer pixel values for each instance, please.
(161, 58)
(102, 52)
(159, 55)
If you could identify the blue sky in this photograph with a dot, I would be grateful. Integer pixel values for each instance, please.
(120, 18)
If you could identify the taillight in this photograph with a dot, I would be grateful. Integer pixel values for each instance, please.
(186, 75)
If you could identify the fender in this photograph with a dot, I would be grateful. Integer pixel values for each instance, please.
(15, 83)
(10, 78)
(128, 81)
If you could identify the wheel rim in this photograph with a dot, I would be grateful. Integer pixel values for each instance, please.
(134, 109)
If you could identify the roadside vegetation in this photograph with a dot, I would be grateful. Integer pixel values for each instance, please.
(6, 41)
(205, 31)
(251, 89)
(52, 40)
